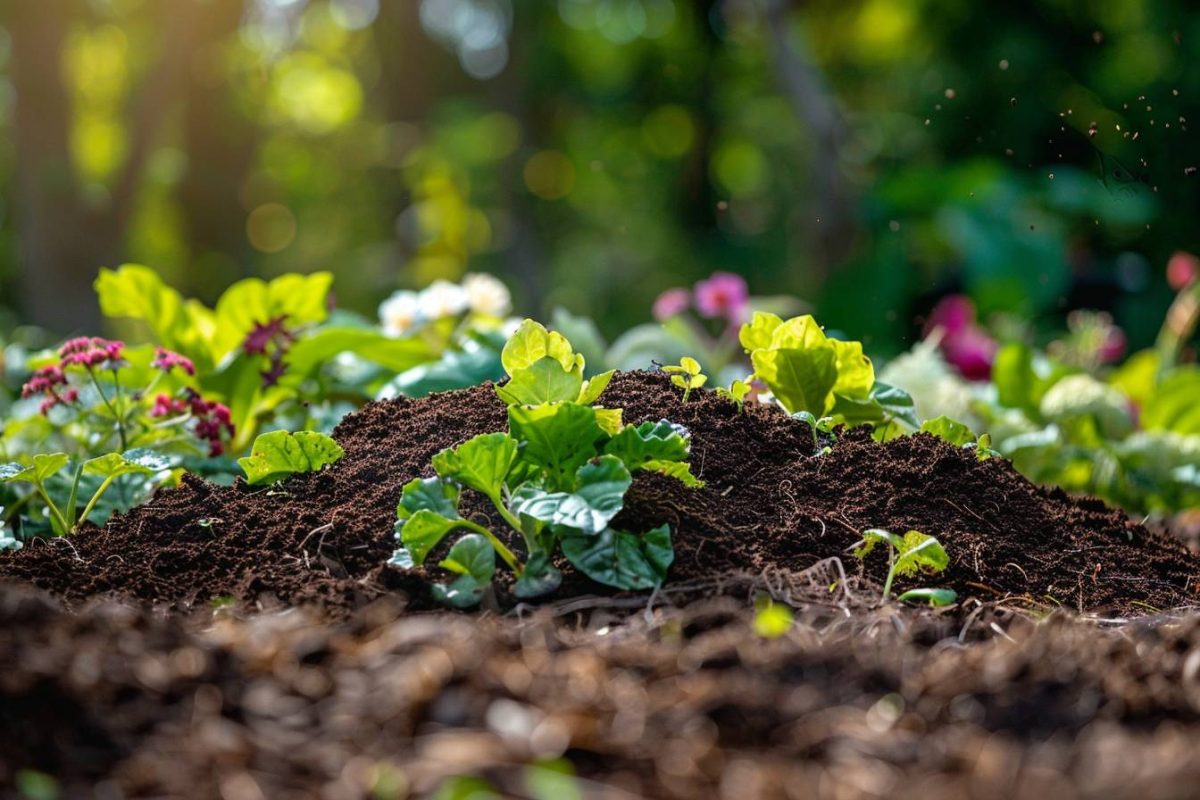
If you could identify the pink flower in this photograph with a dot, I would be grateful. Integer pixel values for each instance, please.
(167, 406)
(90, 352)
(267, 333)
(1183, 269)
(1113, 346)
(723, 294)
(966, 346)
(671, 303)
(971, 351)
(167, 360)
(952, 314)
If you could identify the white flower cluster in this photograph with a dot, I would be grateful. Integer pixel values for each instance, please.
(480, 293)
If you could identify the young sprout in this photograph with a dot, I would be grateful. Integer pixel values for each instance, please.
(736, 393)
(907, 555)
(687, 375)
(771, 619)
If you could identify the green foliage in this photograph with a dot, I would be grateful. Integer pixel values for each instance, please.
(908, 555)
(958, 434)
(736, 393)
(811, 373)
(557, 478)
(59, 503)
(687, 375)
(280, 454)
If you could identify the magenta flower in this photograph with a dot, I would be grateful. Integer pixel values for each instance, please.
(723, 294)
(965, 345)
(90, 352)
(1113, 346)
(167, 360)
(1183, 269)
(671, 303)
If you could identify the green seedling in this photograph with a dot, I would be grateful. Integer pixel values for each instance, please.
(771, 619)
(686, 375)
(908, 555)
(736, 393)
(556, 479)
(958, 434)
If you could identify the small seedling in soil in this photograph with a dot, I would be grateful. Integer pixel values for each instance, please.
(907, 555)
(557, 478)
(824, 425)
(736, 393)
(808, 371)
(958, 434)
(62, 514)
(687, 375)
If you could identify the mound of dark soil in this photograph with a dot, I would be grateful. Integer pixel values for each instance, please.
(768, 503)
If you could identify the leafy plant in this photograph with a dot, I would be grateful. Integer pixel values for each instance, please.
(958, 434)
(808, 371)
(686, 375)
(279, 454)
(737, 392)
(908, 555)
(557, 479)
(771, 619)
(42, 468)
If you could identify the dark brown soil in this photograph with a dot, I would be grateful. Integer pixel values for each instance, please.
(769, 504)
(117, 702)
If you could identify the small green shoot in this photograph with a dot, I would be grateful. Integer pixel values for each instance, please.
(958, 434)
(736, 393)
(279, 454)
(686, 375)
(937, 598)
(771, 619)
(907, 555)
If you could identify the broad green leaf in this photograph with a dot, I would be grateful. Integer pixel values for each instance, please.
(622, 560)
(433, 494)
(896, 403)
(480, 463)
(1082, 395)
(798, 333)
(800, 379)
(533, 342)
(758, 332)
(278, 454)
(595, 387)
(558, 437)
(136, 292)
(873, 536)
(1138, 376)
(650, 441)
(141, 460)
(539, 578)
(421, 532)
(40, 469)
(934, 597)
(600, 495)
(544, 381)
(1175, 404)
(949, 430)
(301, 299)
(916, 551)
(456, 369)
(855, 373)
(474, 560)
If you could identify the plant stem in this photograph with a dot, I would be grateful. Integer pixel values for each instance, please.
(57, 516)
(507, 555)
(116, 417)
(73, 500)
(891, 576)
(96, 497)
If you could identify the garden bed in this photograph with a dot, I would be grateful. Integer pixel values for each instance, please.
(326, 670)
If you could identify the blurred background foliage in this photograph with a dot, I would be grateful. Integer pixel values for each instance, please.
(866, 156)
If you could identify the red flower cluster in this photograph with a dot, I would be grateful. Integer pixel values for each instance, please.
(167, 360)
(212, 418)
(90, 352)
(46, 381)
(273, 340)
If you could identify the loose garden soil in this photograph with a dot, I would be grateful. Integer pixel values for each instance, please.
(768, 504)
(1061, 673)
